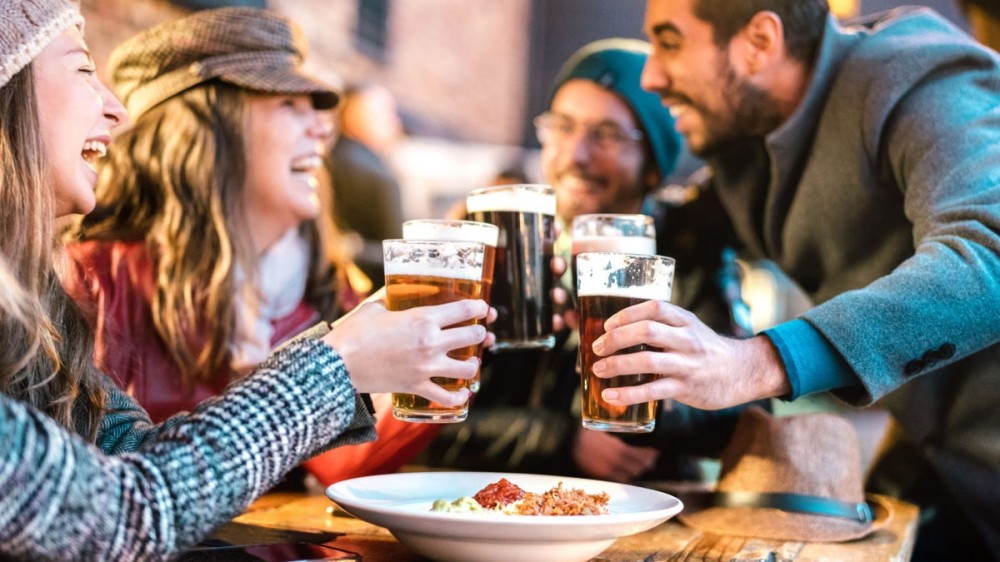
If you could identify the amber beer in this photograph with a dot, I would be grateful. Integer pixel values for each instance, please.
(461, 231)
(522, 277)
(424, 273)
(609, 282)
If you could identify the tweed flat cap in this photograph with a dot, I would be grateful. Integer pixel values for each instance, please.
(248, 47)
(616, 65)
(27, 27)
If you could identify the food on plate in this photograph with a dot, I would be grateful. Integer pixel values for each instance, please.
(464, 504)
(503, 496)
(499, 494)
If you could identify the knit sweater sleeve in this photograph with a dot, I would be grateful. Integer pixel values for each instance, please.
(64, 499)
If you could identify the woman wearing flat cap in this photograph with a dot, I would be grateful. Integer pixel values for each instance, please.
(84, 474)
(226, 134)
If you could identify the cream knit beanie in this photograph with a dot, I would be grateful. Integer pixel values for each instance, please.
(27, 27)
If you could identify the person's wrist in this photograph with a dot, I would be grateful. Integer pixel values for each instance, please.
(343, 347)
(767, 369)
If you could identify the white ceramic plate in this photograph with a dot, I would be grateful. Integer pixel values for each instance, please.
(402, 502)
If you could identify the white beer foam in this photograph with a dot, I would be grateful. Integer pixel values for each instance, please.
(626, 244)
(467, 231)
(512, 199)
(470, 273)
(595, 272)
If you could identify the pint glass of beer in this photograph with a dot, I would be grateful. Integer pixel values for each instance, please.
(608, 282)
(522, 278)
(607, 232)
(423, 273)
(462, 231)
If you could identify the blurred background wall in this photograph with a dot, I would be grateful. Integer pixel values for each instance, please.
(469, 75)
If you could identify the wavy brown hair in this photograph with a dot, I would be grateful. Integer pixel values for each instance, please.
(46, 358)
(175, 180)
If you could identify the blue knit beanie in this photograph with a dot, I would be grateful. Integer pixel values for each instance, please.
(616, 64)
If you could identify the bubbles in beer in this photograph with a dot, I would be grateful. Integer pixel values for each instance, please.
(456, 260)
(624, 275)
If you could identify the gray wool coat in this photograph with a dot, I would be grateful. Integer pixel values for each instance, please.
(880, 196)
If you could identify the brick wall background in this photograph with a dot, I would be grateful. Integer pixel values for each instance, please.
(457, 67)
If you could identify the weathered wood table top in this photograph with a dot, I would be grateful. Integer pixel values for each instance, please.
(286, 518)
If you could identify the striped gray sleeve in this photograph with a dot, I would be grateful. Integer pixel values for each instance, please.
(62, 499)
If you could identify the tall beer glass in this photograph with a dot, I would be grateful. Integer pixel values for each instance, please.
(608, 282)
(423, 273)
(462, 231)
(608, 232)
(522, 279)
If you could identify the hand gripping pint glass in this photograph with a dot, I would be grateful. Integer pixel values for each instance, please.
(608, 282)
(467, 231)
(423, 273)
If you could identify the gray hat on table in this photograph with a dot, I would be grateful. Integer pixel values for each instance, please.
(27, 27)
(247, 47)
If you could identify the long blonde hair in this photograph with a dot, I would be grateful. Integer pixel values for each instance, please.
(175, 180)
(46, 358)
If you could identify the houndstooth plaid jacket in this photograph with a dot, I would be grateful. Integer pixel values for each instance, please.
(147, 492)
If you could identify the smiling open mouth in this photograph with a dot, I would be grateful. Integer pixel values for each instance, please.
(93, 151)
(306, 164)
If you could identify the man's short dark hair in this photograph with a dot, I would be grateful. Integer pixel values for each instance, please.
(803, 20)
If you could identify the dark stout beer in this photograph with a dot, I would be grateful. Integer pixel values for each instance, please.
(522, 277)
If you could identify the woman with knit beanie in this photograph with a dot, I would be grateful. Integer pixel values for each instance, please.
(84, 475)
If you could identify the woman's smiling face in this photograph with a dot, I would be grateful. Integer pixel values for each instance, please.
(285, 142)
(76, 114)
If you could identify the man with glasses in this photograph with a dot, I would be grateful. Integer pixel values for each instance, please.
(606, 144)
(606, 147)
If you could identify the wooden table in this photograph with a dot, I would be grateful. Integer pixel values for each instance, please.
(279, 518)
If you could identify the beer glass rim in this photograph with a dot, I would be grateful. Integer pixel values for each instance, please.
(664, 259)
(622, 225)
(516, 197)
(538, 187)
(494, 229)
(422, 241)
(638, 216)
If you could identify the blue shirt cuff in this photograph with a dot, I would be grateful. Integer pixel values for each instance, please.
(811, 362)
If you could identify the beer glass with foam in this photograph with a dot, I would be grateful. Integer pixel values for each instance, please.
(610, 232)
(462, 231)
(608, 282)
(522, 278)
(423, 273)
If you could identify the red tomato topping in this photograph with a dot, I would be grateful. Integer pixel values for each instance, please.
(499, 494)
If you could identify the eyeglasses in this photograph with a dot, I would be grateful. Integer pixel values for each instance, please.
(605, 136)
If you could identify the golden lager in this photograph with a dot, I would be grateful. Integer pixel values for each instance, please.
(461, 231)
(425, 273)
